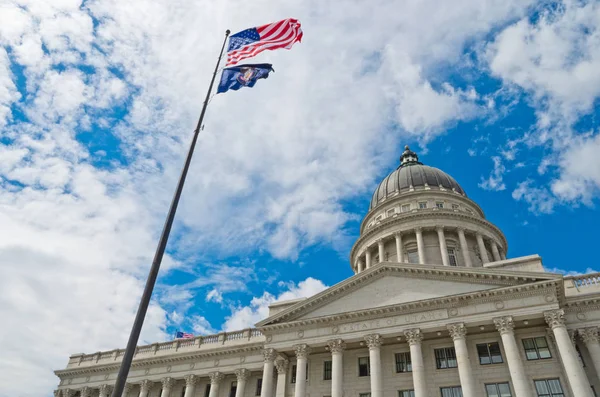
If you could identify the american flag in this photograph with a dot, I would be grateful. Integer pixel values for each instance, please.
(183, 335)
(250, 42)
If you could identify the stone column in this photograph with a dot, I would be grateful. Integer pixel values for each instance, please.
(361, 265)
(302, 352)
(105, 390)
(374, 343)
(381, 250)
(575, 373)
(590, 338)
(503, 255)
(145, 387)
(215, 382)
(85, 392)
(282, 366)
(458, 332)
(495, 252)
(269, 356)
(242, 378)
(420, 245)
(443, 247)
(336, 347)
(368, 257)
(399, 248)
(190, 385)
(126, 389)
(482, 250)
(67, 392)
(414, 337)
(167, 385)
(506, 327)
(464, 248)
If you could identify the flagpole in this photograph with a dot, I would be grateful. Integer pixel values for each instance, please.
(160, 249)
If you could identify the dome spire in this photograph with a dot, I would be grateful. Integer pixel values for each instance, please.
(408, 157)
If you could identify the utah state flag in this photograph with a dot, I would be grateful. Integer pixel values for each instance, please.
(236, 77)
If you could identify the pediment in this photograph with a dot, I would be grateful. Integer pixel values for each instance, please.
(391, 284)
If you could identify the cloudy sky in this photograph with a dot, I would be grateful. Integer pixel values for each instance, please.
(98, 100)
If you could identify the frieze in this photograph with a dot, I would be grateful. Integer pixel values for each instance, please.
(405, 319)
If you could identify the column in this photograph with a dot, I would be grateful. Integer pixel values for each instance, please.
(590, 338)
(242, 378)
(381, 251)
(145, 387)
(374, 342)
(336, 347)
(282, 366)
(420, 245)
(443, 247)
(269, 356)
(85, 392)
(575, 373)
(503, 255)
(495, 252)
(126, 389)
(399, 248)
(361, 265)
(190, 385)
(105, 390)
(521, 384)
(464, 248)
(67, 392)
(57, 393)
(458, 332)
(215, 381)
(167, 385)
(302, 352)
(414, 337)
(482, 250)
(368, 257)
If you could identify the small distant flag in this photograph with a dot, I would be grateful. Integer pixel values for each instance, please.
(236, 77)
(250, 42)
(183, 335)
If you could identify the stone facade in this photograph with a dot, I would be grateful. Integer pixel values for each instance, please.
(457, 316)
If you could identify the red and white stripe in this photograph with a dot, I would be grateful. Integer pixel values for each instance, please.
(282, 34)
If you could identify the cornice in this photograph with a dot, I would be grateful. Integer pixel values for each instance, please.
(582, 304)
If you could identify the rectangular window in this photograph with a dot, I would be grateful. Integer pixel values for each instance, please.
(455, 206)
(403, 363)
(232, 390)
(406, 393)
(452, 257)
(405, 208)
(391, 212)
(536, 348)
(489, 353)
(364, 367)
(413, 256)
(439, 204)
(258, 387)
(445, 358)
(293, 377)
(327, 370)
(364, 394)
(422, 204)
(453, 391)
(548, 388)
(498, 390)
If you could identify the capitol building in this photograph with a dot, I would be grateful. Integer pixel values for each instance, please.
(435, 308)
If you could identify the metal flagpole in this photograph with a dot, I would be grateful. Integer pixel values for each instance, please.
(160, 249)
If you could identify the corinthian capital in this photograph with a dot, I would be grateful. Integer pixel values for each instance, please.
(57, 393)
(269, 355)
(589, 335)
(282, 365)
(374, 341)
(242, 374)
(555, 318)
(67, 392)
(457, 331)
(216, 377)
(167, 382)
(336, 345)
(85, 392)
(302, 350)
(413, 336)
(105, 390)
(504, 324)
(190, 380)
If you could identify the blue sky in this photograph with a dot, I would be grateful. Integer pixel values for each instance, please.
(98, 100)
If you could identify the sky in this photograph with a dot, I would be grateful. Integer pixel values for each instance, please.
(99, 98)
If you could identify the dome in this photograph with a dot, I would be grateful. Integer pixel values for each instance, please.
(412, 175)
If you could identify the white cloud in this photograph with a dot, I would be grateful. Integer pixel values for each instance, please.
(495, 180)
(214, 296)
(540, 200)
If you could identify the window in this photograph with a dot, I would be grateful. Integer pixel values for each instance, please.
(439, 204)
(455, 206)
(423, 204)
(406, 393)
(327, 370)
(391, 212)
(364, 367)
(548, 388)
(452, 257)
(498, 390)
(378, 218)
(405, 207)
(489, 353)
(293, 377)
(536, 348)
(231, 391)
(403, 363)
(364, 394)
(453, 391)
(258, 387)
(206, 391)
(413, 256)
(445, 358)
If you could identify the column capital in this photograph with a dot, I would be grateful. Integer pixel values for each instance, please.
(282, 365)
(57, 393)
(418, 229)
(439, 228)
(336, 345)
(216, 377)
(461, 229)
(127, 389)
(504, 325)
(589, 335)
(374, 341)
(380, 240)
(167, 382)
(555, 318)
(85, 391)
(190, 380)
(302, 350)
(457, 331)
(413, 336)
(146, 385)
(106, 389)
(269, 355)
(242, 374)
(67, 392)
(398, 235)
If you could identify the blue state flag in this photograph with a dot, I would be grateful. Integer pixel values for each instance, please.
(236, 77)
